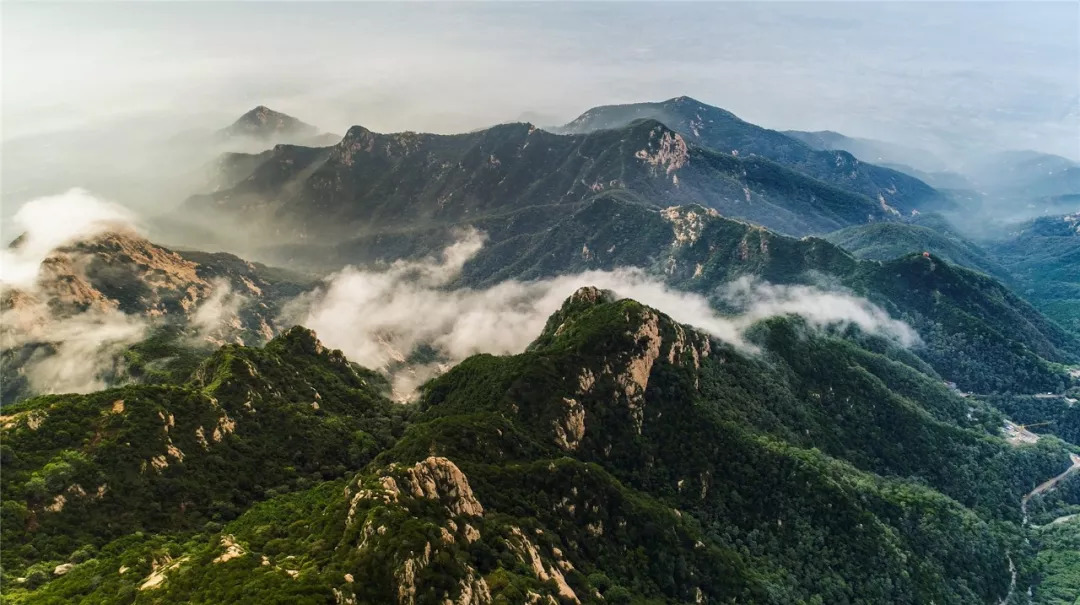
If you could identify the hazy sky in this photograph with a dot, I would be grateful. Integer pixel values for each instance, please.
(974, 75)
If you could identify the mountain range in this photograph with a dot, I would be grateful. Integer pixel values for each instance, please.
(516, 177)
(215, 452)
(371, 182)
(1014, 185)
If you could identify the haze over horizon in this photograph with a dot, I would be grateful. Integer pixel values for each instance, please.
(950, 78)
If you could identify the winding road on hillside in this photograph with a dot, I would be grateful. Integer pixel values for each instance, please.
(1040, 488)
(1049, 483)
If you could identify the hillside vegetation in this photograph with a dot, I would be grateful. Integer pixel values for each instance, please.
(622, 457)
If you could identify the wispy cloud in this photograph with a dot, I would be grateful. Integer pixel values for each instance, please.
(47, 223)
(379, 317)
(67, 352)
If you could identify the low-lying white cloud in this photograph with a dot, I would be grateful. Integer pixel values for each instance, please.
(75, 354)
(758, 300)
(379, 317)
(47, 223)
(62, 352)
(218, 314)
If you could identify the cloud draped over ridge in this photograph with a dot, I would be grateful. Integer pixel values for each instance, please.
(378, 317)
(213, 318)
(48, 223)
(67, 352)
(78, 353)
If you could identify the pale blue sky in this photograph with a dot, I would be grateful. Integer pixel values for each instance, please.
(969, 76)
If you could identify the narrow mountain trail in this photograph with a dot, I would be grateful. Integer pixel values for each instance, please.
(1012, 581)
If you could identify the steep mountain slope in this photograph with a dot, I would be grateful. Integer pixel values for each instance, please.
(80, 470)
(623, 455)
(1059, 559)
(887, 241)
(721, 130)
(373, 183)
(1044, 255)
(976, 332)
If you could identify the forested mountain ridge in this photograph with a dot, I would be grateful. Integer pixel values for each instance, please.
(887, 241)
(721, 130)
(1044, 256)
(622, 454)
(976, 332)
(80, 470)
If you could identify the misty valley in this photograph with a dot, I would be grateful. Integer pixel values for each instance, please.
(654, 353)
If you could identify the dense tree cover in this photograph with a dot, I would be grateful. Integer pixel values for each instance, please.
(977, 332)
(1044, 255)
(82, 469)
(1058, 564)
(622, 457)
(886, 241)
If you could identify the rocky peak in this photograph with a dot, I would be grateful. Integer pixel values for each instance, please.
(664, 150)
(263, 122)
(298, 340)
(360, 141)
(688, 222)
(577, 304)
(123, 270)
(623, 341)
